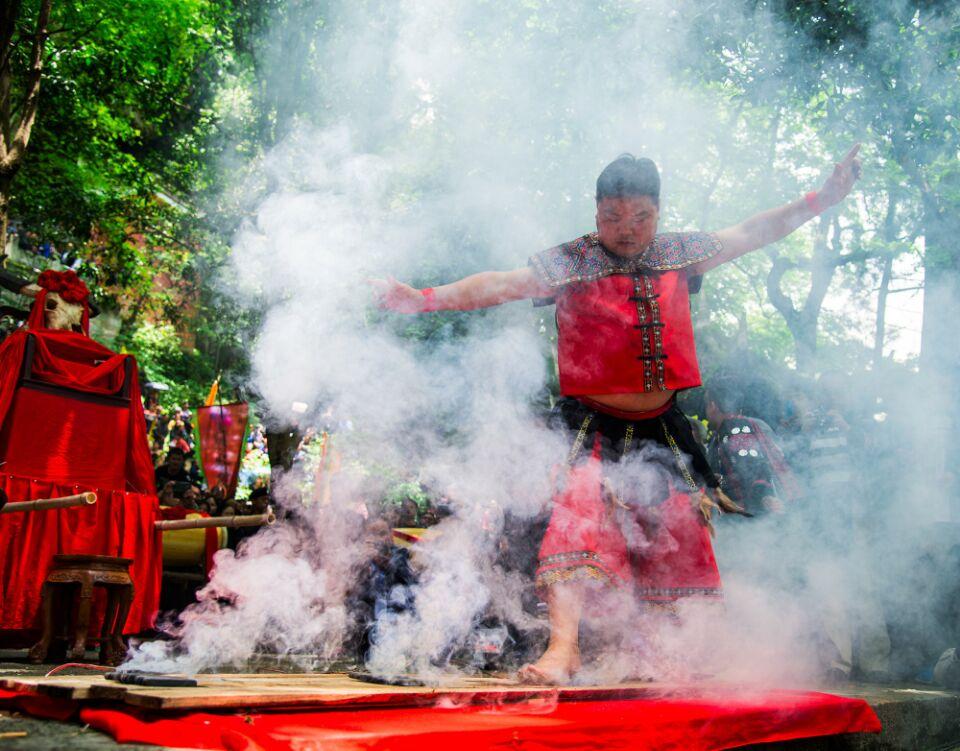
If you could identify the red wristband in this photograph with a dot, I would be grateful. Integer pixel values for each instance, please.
(429, 302)
(813, 202)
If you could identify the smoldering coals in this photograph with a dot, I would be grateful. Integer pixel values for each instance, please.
(282, 592)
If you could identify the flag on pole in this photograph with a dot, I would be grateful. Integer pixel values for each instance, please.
(221, 429)
(212, 396)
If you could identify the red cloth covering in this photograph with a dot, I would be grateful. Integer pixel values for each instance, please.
(120, 524)
(221, 430)
(75, 451)
(684, 719)
(55, 445)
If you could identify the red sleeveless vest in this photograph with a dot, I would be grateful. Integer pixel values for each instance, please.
(624, 323)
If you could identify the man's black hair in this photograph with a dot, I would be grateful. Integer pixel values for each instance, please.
(176, 450)
(628, 176)
(727, 393)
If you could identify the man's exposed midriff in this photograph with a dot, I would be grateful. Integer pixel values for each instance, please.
(640, 402)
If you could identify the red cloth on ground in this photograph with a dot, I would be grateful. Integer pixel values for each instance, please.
(36, 705)
(221, 430)
(687, 719)
(53, 444)
(585, 539)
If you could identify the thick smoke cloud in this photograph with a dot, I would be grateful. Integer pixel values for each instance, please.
(450, 138)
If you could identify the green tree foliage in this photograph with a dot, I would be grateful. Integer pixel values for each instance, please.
(162, 357)
(114, 139)
(156, 116)
(119, 162)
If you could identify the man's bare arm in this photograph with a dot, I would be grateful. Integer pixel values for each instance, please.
(481, 290)
(775, 224)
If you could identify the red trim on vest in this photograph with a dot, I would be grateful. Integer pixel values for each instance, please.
(626, 334)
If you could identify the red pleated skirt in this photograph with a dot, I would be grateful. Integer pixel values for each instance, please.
(662, 552)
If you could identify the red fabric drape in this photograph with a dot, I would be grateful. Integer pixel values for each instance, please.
(63, 358)
(120, 524)
(55, 444)
(685, 720)
(221, 430)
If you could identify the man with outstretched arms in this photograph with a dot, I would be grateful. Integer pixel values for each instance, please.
(631, 510)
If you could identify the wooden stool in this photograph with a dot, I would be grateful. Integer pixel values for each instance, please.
(81, 573)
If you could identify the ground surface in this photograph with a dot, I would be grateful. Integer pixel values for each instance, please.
(914, 717)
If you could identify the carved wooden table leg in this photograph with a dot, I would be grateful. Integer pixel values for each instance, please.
(117, 647)
(85, 599)
(38, 652)
(106, 629)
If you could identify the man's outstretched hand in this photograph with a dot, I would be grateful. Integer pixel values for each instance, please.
(396, 296)
(840, 183)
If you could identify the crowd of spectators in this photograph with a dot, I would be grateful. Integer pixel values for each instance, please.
(30, 242)
(177, 473)
(836, 540)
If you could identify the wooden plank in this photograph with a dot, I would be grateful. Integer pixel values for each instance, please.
(330, 691)
(333, 690)
(349, 693)
(76, 687)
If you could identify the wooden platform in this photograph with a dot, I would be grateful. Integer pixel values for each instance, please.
(316, 690)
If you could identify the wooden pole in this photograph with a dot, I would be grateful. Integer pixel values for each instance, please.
(82, 499)
(257, 520)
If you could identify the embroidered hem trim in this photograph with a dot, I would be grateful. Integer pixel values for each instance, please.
(673, 593)
(574, 556)
(576, 572)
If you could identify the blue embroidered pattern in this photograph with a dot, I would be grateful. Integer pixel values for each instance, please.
(586, 260)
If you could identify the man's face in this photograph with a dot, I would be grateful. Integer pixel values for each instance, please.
(627, 225)
(175, 462)
(190, 497)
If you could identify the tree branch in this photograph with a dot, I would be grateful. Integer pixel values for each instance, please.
(8, 30)
(78, 36)
(12, 152)
(860, 255)
(778, 298)
(904, 289)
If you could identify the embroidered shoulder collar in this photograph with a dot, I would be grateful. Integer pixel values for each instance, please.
(586, 260)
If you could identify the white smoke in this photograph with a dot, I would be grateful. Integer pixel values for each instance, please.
(434, 153)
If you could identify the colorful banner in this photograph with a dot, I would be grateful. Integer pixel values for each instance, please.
(221, 429)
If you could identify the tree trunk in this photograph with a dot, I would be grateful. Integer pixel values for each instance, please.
(879, 334)
(802, 323)
(14, 136)
(4, 213)
(889, 237)
(940, 355)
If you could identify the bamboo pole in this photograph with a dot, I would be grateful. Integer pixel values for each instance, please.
(257, 520)
(40, 504)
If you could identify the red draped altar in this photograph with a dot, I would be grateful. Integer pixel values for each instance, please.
(71, 420)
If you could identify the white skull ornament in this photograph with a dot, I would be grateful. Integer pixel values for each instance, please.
(61, 315)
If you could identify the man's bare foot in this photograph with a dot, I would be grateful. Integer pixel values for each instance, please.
(555, 667)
